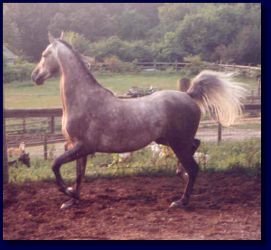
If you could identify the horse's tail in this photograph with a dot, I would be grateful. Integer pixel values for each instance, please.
(216, 93)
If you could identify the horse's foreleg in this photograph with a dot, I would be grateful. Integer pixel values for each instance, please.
(70, 155)
(80, 172)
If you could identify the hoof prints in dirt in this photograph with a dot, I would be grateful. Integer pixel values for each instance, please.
(222, 207)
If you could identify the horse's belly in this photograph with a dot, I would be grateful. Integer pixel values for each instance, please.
(124, 143)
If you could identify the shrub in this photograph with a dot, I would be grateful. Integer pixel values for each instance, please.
(115, 65)
(18, 72)
(78, 41)
(124, 50)
(194, 67)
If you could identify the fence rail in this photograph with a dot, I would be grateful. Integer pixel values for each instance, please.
(21, 113)
(57, 112)
(177, 65)
(156, 65)
(52, 132)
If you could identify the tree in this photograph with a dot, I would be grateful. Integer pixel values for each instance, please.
(142, 31)
(168, 49)
(31, 22)
(78, 41)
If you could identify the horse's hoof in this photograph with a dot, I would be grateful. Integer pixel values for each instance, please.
(69, 203)
(179, 204)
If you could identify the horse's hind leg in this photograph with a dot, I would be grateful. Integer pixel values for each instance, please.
(80, 172)
(185, 157)
(180, 171)
(195, 145)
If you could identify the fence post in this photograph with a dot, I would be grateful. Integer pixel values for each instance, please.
(24, 125)
(252, 96)
(52, 124)
(154, 64)
(219, 133)
(176, 65)
(259, 86)
(183, 84)
(5, 157)
(45, 147)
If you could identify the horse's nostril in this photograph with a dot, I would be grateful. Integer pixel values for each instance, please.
(34, 75)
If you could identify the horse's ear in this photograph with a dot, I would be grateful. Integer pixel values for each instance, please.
(62, 35)
(50, 37)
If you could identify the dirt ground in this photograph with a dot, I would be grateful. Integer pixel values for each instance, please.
(223, 206)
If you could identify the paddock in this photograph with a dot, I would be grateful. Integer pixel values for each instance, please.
(224, 206)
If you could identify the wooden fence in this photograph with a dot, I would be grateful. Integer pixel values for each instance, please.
(215, 66)
(156, 65)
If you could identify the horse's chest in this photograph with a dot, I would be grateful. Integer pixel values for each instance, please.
(64, 127)
(73, 126)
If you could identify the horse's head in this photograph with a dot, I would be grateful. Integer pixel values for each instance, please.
(48, 65)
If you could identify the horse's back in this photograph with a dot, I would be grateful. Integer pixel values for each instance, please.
(177, 103)
(174, 110)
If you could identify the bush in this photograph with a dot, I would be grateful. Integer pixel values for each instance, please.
(115, 65)
(124, 50)
(18, 72)
(78, 41)
(194, 67)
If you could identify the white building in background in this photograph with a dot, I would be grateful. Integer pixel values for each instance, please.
(9, 55)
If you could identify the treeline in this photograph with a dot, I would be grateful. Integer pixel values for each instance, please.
(228, 33)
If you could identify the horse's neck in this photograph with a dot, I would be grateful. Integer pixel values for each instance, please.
(75, 81)
(73, 73)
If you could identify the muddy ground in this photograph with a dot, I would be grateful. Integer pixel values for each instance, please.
(224, 206)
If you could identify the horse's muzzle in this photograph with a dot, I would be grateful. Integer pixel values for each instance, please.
(37, 77)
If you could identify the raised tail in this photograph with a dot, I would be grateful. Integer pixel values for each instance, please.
(216, 93)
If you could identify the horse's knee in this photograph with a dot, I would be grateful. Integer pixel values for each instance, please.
(56, 165)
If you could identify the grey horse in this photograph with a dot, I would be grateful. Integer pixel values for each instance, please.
(95, 120)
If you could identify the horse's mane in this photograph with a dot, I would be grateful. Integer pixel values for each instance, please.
(82, 64)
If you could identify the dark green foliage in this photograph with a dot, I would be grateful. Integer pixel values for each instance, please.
(18, 72)
(217, 32)
(125, 51)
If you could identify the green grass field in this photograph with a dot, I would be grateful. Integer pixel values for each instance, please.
(28, 95)
(242, 156)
